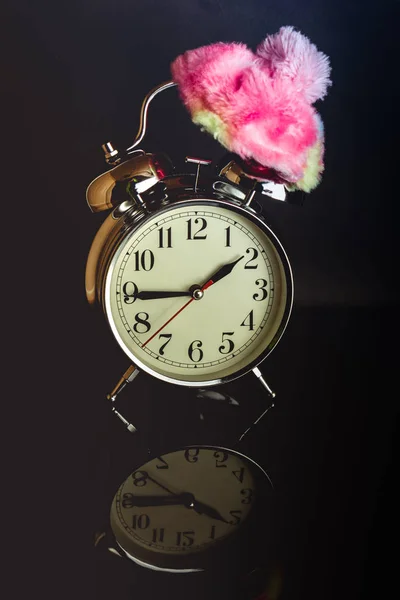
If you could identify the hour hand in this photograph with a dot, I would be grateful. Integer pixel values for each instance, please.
(209, 511)
(221, 272)
(151, 295)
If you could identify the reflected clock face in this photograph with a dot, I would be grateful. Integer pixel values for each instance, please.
(199, 292)
(183, 503)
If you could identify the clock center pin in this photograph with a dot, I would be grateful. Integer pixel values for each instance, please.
(197, 292)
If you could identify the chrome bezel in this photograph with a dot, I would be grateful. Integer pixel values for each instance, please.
(258, 221)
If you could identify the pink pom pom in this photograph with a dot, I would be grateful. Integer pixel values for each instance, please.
(291, 55)
(259, 106)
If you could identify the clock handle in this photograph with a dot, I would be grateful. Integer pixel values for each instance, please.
(112, 155)
(143, 112)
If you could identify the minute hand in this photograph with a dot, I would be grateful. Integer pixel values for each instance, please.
(221, 272)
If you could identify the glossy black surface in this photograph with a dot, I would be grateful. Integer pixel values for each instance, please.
(76, 74)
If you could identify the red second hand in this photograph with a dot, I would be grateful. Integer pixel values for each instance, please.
(204, 287)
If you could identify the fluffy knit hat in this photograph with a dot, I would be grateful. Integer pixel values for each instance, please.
(260, 105)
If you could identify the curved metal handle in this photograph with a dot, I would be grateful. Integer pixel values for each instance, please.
(143, 112)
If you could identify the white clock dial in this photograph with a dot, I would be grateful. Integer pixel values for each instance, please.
(182, 503)
(169, 314)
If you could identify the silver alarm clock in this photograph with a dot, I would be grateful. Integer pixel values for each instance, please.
(196, 287)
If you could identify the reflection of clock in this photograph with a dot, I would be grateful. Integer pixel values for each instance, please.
(177, 511)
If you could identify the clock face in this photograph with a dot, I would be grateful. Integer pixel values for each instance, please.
(198, 292)
(183, 503)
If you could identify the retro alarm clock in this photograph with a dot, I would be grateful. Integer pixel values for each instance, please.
(195, 286)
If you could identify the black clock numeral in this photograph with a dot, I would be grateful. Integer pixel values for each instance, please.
(140, 478)
(195, 353)
(227, 236)
(212, 534)
(230, 345)
(143, 260)
(184, 538)
(168, 337)
(164, 464)
(196, 235)
(142, 324)
(239, 474)
(192, 454)
(158, 535)
(128, 500)
(164, 237)
(247, 495)
(263, 284)
(130, 291)
(248, 321)
(220, 457)
(254, 253)
(140, 521)
(236, 514)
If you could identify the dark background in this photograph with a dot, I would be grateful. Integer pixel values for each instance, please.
(75, 75)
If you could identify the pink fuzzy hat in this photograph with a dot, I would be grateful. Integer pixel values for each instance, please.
(259, 106)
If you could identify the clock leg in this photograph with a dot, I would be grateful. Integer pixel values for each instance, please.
(259, 376)
(130, 374)
(271, 395)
